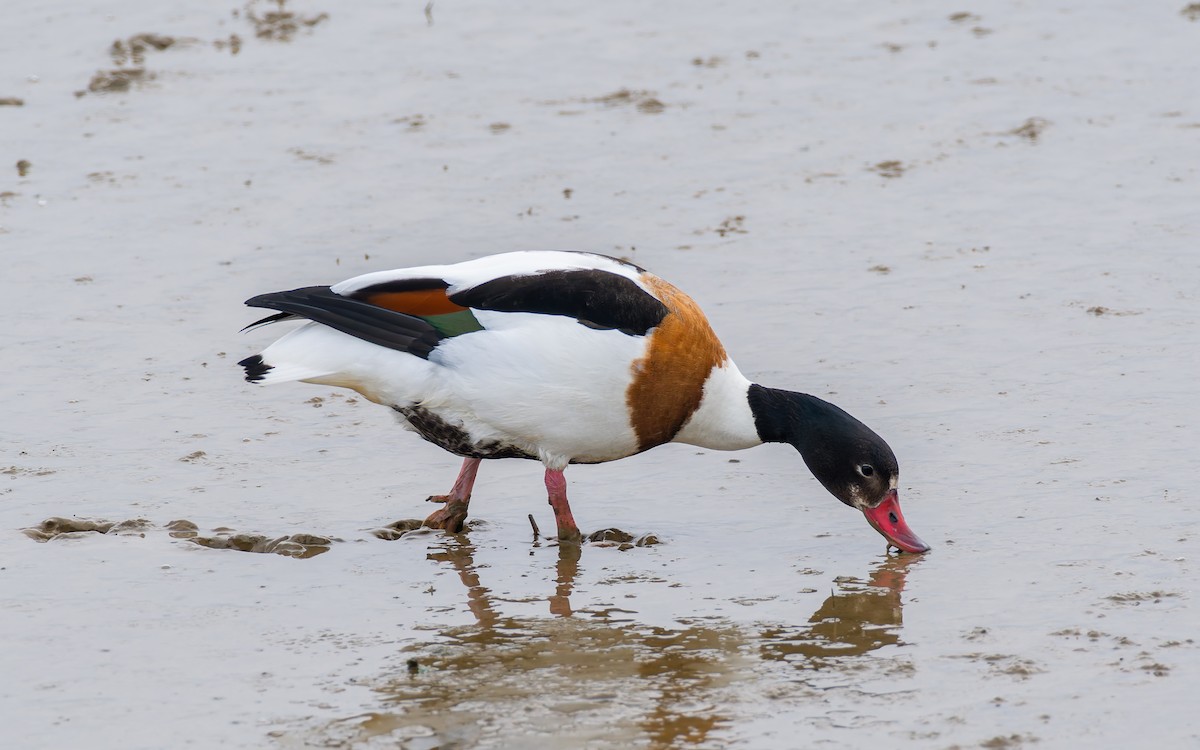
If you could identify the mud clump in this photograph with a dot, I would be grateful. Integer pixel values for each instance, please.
(182, 529)
(325, 159)
(281, 25)
(132, 527)
(891, 169)
(414, 122)
(133, 50)
(650, 106)
(397, 529)
(117, 81)
(732, 225)
(233, 44)
(1031, 129)
(622, 540)
(297, 545)
(1137, 597)
(129, 55)
(610, 535)
(1012, 741)
(618, 98)
(1191, 12)
(129, 61)
(1099, 310)
(14, 471)
(56, 526)
(645, 102)
(11, 101)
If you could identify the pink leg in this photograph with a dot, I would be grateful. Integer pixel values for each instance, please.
(556, 488)
(454, 514)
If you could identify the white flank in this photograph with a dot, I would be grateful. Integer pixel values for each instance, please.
(723, 420)
(542, 382)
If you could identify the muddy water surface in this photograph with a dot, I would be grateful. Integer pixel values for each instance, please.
(973, 228)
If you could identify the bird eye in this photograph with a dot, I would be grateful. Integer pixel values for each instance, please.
(866, 470)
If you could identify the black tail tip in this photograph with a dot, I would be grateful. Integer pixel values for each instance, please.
(256, 369)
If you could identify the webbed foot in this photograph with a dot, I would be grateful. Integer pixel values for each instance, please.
(451, 518)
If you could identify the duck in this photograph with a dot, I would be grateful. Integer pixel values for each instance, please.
(562, 357)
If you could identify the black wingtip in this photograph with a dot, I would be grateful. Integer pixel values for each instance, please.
(256, 369)
(269, 320)
(372, 323)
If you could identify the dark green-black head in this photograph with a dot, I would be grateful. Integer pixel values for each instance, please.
(848, 458)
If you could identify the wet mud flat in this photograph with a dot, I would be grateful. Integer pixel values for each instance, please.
(592, 673)
(608, 644)
(976, 227)
(603, 679)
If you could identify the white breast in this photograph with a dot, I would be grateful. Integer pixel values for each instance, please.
(723, 420)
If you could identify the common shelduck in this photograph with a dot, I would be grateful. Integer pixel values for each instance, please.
(563, 357)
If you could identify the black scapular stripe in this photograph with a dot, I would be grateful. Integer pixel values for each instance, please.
(378, 325)
(400, 285)
(597, 299)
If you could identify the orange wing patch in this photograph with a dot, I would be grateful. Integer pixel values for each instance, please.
(668, 383)
(419, 302)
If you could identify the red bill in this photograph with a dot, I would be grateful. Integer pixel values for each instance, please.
(889, 521)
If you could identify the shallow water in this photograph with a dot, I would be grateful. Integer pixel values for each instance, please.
(974, 230)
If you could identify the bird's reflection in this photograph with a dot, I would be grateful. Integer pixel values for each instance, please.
(581, 678)
(858, 617)
(566, 569)
(460, 554)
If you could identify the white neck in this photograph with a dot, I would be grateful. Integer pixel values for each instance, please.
(723, 420)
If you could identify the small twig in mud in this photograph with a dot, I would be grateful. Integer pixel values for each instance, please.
(536, 532)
